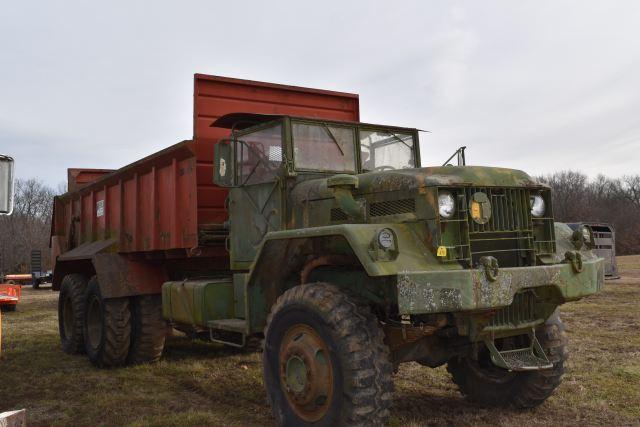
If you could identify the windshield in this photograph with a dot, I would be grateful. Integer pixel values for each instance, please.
(386, 150)
(324, 147)
(259, 155)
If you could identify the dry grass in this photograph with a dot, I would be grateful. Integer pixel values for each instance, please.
(202, 384)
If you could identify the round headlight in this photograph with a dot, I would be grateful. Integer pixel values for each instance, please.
(537, 206)
(446, 204)
(385, 238)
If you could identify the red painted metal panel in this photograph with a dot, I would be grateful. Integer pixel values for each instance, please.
(77, 178)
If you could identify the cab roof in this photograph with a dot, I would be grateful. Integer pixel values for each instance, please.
(240, 121)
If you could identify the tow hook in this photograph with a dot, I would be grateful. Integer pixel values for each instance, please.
(575, 259)
(491, 268)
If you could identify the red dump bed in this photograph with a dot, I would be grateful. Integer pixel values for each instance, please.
(163, 202)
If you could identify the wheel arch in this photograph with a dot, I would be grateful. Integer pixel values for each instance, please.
(118, 275)
(289, 258)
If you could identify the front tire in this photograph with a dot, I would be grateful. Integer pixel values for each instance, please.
(71, 307)
(482, 382)
(325, 361)
(107, 327)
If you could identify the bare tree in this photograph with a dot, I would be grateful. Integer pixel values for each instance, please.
(28, 228)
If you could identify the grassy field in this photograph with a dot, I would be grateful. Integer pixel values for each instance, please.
(202, 384)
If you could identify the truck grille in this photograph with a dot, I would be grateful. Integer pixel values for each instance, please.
(522, 310)
(507, 236)
(392, 207)
(338, 214)
(510, 209)
(511, 235)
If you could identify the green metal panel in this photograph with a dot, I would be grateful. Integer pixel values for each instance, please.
(464, 290)
(254, 210)
(197, 302)
(239, 291)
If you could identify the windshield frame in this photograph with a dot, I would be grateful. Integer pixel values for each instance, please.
(288, 165)
(394, 131)
(326, 124)
(237, 136)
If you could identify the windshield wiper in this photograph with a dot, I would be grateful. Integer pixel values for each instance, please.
(333, 138)
(401, 140)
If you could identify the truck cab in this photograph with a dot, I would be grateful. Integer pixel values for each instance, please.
(270, 157)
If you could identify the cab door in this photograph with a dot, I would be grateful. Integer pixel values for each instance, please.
(256, 204)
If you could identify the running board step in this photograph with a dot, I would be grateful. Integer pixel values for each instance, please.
(231, 325)
(531, 358)
(236, 328)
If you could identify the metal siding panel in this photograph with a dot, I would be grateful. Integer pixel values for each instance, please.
(165, 211)
(146, 214)
(113, 212)
(100, 221)
(187, 203)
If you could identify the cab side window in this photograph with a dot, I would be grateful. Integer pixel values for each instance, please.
(259, 155)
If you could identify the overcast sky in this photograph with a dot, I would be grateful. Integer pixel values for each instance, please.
(538, 86)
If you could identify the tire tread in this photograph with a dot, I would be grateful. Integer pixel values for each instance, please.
(360, 340)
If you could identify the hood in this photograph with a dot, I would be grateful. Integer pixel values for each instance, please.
(408, 179)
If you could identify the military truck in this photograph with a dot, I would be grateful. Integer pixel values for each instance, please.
(339, 251)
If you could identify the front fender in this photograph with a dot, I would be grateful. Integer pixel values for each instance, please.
(412, 253)
(282, 255)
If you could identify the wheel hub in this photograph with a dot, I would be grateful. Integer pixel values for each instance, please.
(296, 372)
(306, 374)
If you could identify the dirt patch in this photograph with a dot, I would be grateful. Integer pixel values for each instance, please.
(198, 383)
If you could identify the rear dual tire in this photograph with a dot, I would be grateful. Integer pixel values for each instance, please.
(71, 308)
(112, 332)
(107, 328)
(148, 329)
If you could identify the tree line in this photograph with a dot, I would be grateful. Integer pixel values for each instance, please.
(576, 198)
(28, 228)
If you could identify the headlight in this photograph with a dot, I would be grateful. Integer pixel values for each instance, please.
(446, 204)
(385, 238)
(537, 206)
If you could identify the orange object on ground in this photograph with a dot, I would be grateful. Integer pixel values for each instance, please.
(10, 294)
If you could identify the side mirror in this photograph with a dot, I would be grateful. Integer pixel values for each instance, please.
(6, 185)
(224, 173)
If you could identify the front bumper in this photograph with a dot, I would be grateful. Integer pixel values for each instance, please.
(468, 290)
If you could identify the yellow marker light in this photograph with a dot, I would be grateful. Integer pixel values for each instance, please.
(476, 210)
(442, 251)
